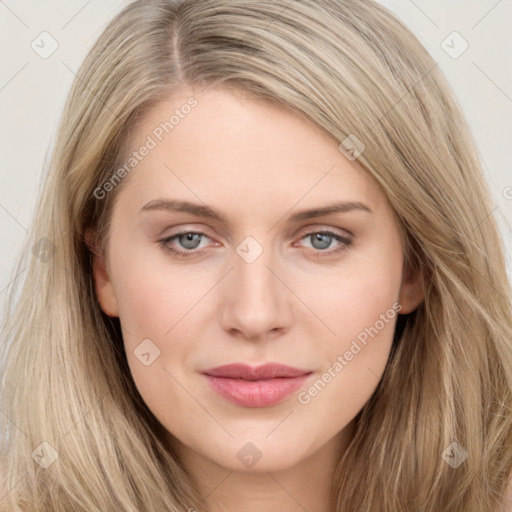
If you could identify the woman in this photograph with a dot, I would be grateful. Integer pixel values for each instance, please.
(264, 276)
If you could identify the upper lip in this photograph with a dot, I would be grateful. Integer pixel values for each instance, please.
(246, 372)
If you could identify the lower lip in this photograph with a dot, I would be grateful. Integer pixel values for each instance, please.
(256, 393)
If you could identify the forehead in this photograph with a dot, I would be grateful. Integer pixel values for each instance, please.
(225, 144)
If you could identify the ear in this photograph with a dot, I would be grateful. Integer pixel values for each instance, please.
(102, 282)
(412, 290)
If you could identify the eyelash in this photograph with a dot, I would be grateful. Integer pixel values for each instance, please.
(345, 244)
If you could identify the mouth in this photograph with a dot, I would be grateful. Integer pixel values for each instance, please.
(260, 386)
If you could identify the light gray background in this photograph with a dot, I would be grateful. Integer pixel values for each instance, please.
(33, 90)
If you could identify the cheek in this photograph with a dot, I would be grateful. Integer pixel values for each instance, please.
(353, 362)
(158, 336)
(359, 305)
(152, 294)
(354, 298)
(159, 306)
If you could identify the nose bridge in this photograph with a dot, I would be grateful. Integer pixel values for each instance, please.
(257, 301)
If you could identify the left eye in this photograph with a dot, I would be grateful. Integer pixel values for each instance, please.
(321, 240)
(191, 240)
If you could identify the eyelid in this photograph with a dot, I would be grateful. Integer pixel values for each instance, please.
(317, 228)
(185, 228)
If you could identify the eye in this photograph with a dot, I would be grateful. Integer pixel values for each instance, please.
(322, 240)
(188, 240)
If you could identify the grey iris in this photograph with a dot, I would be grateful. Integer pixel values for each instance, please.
(190, 240)
(323, 238)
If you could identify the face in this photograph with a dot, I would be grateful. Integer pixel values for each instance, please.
(244, 237)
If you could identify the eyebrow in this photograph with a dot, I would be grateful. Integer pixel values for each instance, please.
(206, 212)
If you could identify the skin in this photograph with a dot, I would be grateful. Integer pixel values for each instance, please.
(256, 164)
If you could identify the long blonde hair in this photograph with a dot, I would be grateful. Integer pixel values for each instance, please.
(76, 435)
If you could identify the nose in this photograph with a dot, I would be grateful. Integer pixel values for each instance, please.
(256, 301)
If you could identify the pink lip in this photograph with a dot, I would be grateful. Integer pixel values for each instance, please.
(260, 386)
